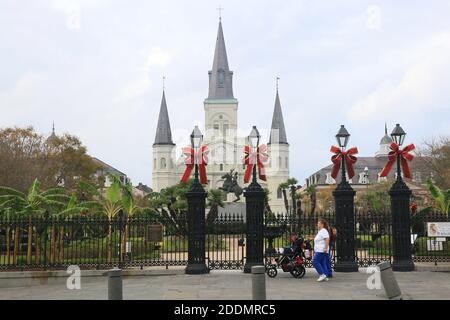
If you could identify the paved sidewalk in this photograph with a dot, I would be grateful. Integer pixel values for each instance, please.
(237, 285)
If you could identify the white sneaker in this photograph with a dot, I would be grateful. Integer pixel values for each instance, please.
(326, 278)
(322, 278)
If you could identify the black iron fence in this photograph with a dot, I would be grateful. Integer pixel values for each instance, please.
(99, 242)
(91, 242)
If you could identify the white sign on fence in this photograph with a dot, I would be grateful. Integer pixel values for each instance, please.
(433, 245)
(438, 229)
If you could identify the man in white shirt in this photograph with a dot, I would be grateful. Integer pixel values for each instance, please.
(321, 246)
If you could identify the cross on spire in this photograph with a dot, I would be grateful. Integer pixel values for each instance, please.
(164, 82)
(278, 78)
(220, 8)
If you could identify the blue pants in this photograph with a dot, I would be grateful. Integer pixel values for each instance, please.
(329, 272)
(320, 263)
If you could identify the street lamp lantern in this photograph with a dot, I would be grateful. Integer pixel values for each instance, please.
(398, 135)
(196, 142)
(342, 137)
(196, 138)
(254, 138)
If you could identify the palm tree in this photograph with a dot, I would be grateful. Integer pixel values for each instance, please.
(267, 209)
(283, 187)
(109, 203)
(290, 184)
(33, 204)
(130, 209)
(312, 192)
(441, 197)
(73, 208)
(171, 206)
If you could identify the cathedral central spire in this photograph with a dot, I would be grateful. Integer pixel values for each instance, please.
(220, 77)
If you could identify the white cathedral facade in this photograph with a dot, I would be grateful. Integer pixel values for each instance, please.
(220, 135)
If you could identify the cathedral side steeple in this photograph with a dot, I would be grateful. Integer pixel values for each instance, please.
(277, 131)
(164, 166)
(278, 149)
(163, 132)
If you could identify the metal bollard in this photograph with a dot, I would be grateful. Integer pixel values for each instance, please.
(258, 283)
(390, 285)
(115, 284)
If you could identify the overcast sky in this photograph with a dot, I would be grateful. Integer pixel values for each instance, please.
(95, 68)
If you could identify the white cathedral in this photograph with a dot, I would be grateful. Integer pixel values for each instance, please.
(220, 135)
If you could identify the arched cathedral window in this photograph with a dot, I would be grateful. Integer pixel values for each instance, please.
(279, 193)
(163, 163)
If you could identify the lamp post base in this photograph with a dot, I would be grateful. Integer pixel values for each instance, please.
(346, 266)
(196, 268)
(403, 265)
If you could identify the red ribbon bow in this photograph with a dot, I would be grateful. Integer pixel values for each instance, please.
(350, 160)
(404, 156)
(252, 158)
(193, 158)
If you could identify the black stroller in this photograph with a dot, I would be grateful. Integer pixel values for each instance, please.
(292, 259)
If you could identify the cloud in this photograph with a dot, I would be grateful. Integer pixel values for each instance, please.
(73, 10)
(18, 101)
(421, 86)
(156, 58)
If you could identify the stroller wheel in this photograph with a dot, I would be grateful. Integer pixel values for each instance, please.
(298, 272)
(272, 272)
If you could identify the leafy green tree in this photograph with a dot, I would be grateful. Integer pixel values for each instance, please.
(34, 203)
(26, 155)
(441, 197)
(376, 199)
(435, 156)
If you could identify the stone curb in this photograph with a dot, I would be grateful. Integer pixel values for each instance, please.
(438, 268)
(13, 279)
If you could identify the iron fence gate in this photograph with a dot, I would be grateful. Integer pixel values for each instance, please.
(99, 242)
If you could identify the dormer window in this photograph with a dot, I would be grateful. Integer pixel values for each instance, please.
(363, 178)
